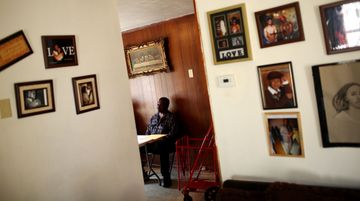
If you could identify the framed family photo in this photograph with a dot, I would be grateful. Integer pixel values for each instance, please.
(277, 86)
(337, 89)
(279, 25)
(284, 134)
(341, 27)
(59, 51)
(229, 34)
(146, 58)
(85, 93)
(33, 98)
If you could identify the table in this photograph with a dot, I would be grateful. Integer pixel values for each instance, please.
(143, 140)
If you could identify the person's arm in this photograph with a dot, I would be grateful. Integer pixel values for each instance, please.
(173, 129)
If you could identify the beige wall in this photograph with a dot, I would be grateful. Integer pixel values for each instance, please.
(62, 155)
(238, 114)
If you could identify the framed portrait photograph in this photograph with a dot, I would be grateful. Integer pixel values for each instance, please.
(59, 51)
(33, 98)
(337, 89)
(341, 27)
(279, 25)
(284, 134)
(277, 86)
(13, 48)
(85, 93)
(229, 34)
(146, 58)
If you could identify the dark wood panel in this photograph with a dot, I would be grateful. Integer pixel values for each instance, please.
(189, 98)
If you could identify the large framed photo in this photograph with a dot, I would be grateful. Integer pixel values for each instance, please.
(284, 134)
(13, 48)
(229, 34)
(59, 51)
(277, 86)
(279, 25)
(337, 88)
(341, 27)
(146, 58)
(85, 93)
(34, 98)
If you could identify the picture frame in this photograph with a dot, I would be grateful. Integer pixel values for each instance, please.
(85, 93)
(340, 27)
(277, 86)
(59, 51)
(146, 58)
(33, 98)
(337, 88)
(229, 31)
(13, 48)
(280, 25)
(284, 134)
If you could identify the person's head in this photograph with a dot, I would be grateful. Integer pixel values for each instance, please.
(275, 79)
(163, 105)
(347, 97)
(269, 20)
(234, 20)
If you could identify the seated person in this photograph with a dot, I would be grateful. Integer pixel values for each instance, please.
(163, 122)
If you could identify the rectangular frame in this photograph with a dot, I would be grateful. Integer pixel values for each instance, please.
(33, 98)
(277, 74)
(59, 51)
(340, 26)
(337, 89)
(286, 25)
(13, 48)
(146, 58)
(85, 93)
(284, 134)
(229, 34)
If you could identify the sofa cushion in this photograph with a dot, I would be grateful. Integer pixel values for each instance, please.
(233, 194)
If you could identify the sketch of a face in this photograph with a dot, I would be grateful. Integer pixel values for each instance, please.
(353, 96)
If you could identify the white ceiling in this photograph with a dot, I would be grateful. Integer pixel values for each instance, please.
(138, 13)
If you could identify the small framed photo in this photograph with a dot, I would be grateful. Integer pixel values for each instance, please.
(277, 86)
(279, 25)
(13, 48)
(33, 98)
(59, 51)
(229, 34)
(146, 58)
(284, 134)
(337, 88)
(85, 93)
(341, 27)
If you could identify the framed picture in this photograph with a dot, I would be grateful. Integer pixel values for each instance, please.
(34, 98)
(85, 93)
(279, 25)
(277, 86)
(284, 134)
(229, 34)
(13, 48)
(341, 27)
(59, 51)
(146, 58)
(337, 88)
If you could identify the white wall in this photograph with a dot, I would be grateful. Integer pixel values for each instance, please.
(62, 155)
(238, 114)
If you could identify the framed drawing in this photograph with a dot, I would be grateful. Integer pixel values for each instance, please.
(284, 134)
(85, 93)
(13, 48)
(277, 86)
(59, 51)
(279, 25)
(146, 58)
(229, 34)
(34, 98)
(337, 88)
(341, 27)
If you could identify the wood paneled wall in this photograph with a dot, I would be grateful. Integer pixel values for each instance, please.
(189, 98)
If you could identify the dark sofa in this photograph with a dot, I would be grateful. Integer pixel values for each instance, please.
(236, 190)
